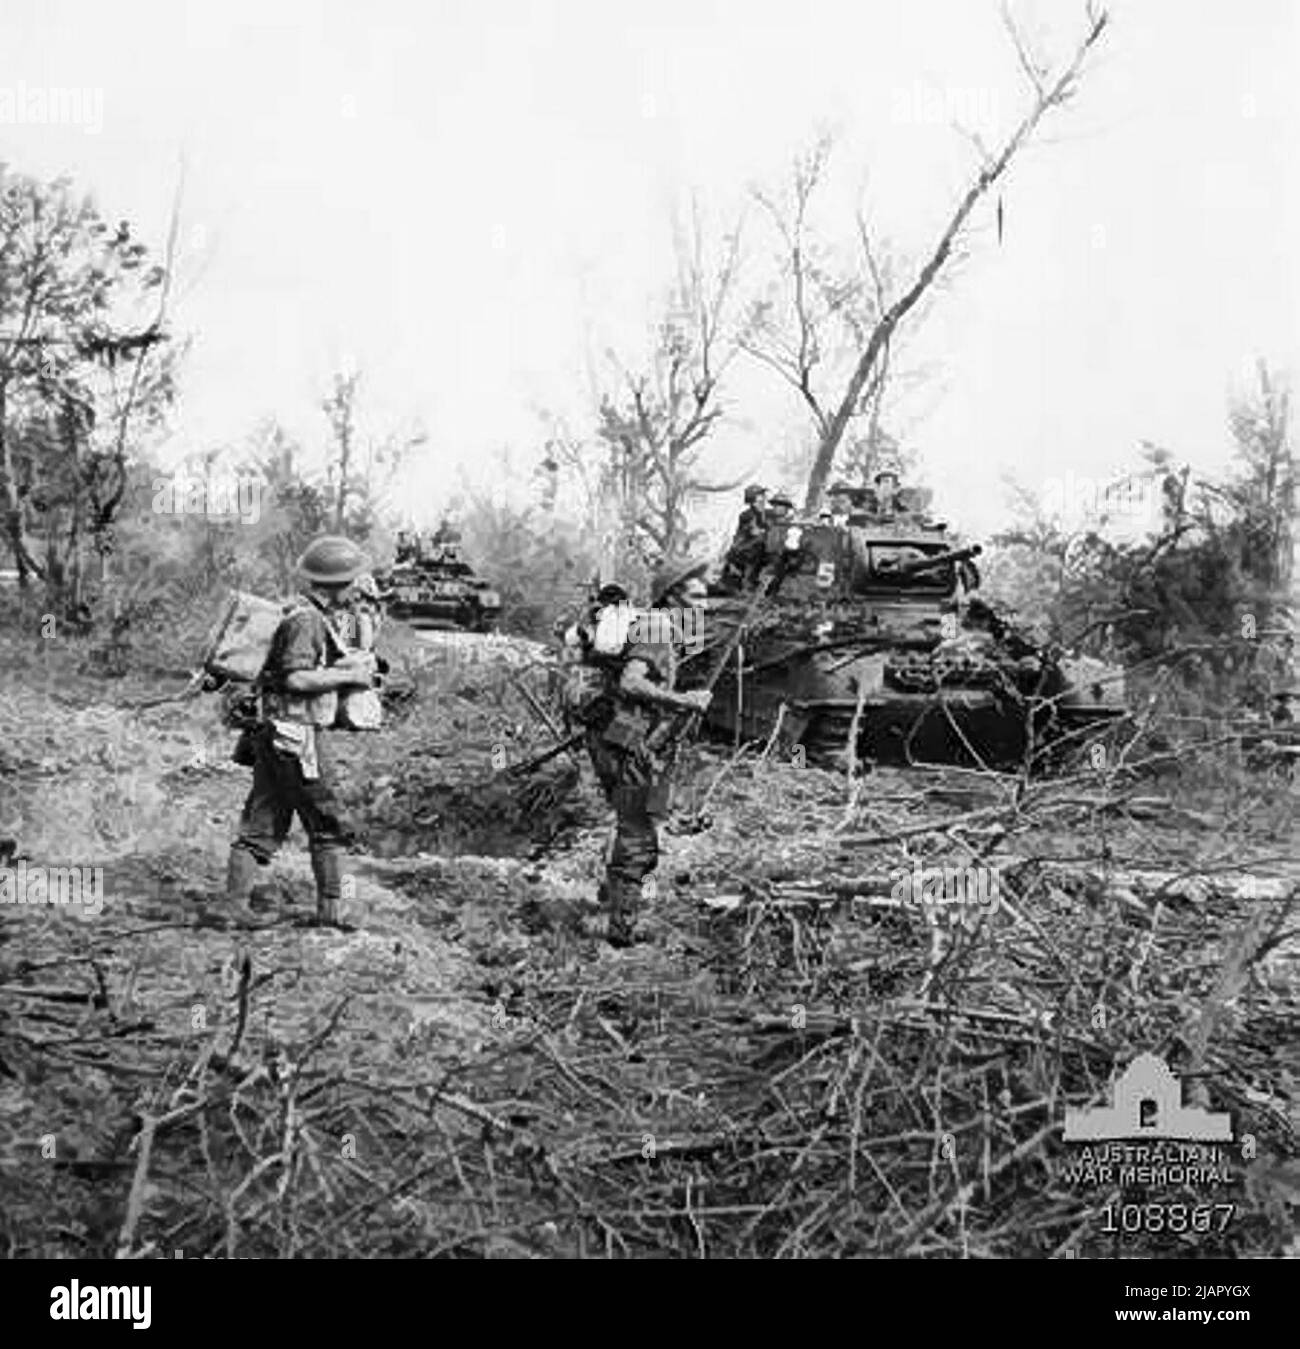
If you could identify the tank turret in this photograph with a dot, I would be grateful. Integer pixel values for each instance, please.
(429, 585)
(875, 619)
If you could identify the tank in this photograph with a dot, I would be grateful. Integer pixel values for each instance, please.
(875, 618)
(430, 585)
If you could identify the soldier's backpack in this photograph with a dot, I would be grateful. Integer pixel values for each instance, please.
(584, 688)
(237, 652)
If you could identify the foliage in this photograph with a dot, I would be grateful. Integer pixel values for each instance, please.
(1205, 594)
(640, 466)
(539, 563)
(77, 393)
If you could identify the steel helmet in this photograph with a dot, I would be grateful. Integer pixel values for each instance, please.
(332, 560)
(670, 574)
(753, 492)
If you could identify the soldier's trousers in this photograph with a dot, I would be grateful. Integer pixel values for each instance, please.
(279, 792)
(639, 795)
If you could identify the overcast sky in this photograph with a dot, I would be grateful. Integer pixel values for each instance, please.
(471, 201)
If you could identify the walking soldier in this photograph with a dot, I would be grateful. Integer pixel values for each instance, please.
(633, 769)
(305, 670)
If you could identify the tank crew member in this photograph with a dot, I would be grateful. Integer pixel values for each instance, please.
(888, 498)
(745, 555)
(781, 510)
(754, 516)
(840, 504)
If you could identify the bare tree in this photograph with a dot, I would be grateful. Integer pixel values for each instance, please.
(1266, 494)
(817, 307)
(359, 468)
(869, 308)
(653, 426)
(340, 409)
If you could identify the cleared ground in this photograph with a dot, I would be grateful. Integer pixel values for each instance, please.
(798, 1063)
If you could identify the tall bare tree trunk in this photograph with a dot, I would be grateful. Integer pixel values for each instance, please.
(993, 168)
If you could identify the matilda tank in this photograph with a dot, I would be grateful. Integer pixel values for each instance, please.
(430, 585)
(871, 622)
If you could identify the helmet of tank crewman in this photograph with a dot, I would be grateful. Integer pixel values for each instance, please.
(781, 502)
(332, 559)
(671, 574)
(753, 492)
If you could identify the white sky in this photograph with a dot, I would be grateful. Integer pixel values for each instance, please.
(471, 199)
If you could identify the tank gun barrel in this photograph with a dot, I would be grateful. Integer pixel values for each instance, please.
(921, 564)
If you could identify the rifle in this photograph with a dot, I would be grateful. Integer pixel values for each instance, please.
(681, 722)
(520, 769)
(538, 710)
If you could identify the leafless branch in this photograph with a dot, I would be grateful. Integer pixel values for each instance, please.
(1046, 98)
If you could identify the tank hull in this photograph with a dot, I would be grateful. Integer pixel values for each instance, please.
(434, 597)
(915, 697)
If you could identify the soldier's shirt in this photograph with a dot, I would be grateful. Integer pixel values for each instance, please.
(660, 659)
(299, 643)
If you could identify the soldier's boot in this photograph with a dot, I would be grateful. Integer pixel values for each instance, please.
(242, 870)
(621, 904)
(326, 865)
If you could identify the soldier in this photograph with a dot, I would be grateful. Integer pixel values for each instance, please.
(888, 499)
(754, 516)
(781, 511)
(304, 671)
(364, 613)
(841, 504)
(633, 771)
(611, 602)
(447, 532)
(445, 543)
(745, 555)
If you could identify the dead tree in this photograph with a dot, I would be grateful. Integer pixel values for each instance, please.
(654, 425)
(340, 409)
(871, 293)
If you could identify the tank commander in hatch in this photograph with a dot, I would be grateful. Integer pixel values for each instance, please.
(888, 497)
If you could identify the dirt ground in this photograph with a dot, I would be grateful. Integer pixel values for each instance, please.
(795, 1063)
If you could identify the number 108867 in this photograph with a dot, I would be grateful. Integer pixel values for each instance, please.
(1121, 1218)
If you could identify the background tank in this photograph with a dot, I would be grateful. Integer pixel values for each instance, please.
(430, 585)
(879, 613)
